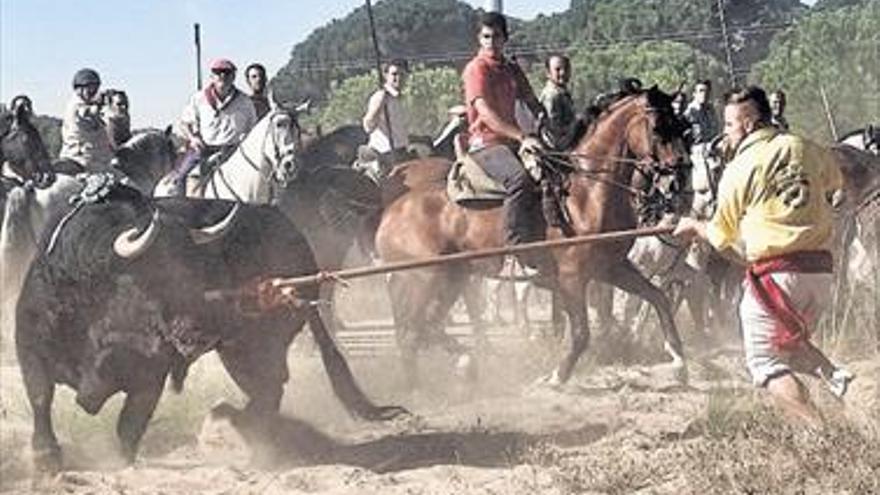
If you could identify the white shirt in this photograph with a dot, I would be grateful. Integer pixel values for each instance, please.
(397, 115)
(227, 124)
(84, 136)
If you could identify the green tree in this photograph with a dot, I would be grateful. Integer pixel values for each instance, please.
(835, 50)
(433, 30)
(666, 64)
(429, 93)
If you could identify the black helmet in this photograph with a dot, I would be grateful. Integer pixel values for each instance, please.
(85, 77)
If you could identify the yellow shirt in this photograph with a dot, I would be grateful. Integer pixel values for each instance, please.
(773, 196)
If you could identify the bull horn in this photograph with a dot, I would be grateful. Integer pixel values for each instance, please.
(129, 244)
(211, 233)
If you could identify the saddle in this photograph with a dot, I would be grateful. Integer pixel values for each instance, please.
(377, 166)
(216, 156)
(468, 185)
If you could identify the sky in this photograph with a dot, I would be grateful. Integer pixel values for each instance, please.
(145, 47)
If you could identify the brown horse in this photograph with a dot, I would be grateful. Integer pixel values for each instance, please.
(634, 140)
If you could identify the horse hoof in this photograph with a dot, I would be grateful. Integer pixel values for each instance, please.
(47, 461)
(466, 367)
(549, 381)
(387, 413)
(677, 358)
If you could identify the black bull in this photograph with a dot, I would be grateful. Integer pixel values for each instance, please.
(72, 327)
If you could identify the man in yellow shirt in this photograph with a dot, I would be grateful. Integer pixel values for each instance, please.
(774, 213)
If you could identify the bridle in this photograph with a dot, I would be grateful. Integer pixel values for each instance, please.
(270, 177)
(649, 168)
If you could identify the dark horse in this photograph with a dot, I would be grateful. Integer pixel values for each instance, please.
(21, 146)
(636, 138)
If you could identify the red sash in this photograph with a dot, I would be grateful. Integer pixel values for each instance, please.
(214, 99)
(791, 328)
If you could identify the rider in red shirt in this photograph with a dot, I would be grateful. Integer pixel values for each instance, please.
(492, 84)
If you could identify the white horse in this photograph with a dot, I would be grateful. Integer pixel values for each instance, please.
(262, 164)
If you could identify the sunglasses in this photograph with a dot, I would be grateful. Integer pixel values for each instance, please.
(223, 72)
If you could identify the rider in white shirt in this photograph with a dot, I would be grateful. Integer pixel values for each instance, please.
(216, 117)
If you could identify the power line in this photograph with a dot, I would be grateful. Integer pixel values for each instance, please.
(533, 49)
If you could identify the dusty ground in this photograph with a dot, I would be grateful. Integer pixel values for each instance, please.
(616, 428)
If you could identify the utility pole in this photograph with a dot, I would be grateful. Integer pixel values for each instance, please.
(198, 41)
(495, 6)
(828, 115)
(379, 71)
(726, 40)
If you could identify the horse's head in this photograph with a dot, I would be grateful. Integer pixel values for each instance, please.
(654, 134)
(146, 158)
(283, 142)
(22, 147)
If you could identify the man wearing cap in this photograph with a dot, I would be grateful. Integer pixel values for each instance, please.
(84, 142)
(217, 117)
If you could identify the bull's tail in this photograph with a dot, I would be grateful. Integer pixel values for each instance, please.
(341, 379)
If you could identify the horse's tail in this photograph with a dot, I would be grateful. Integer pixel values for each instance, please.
(366, 236)
(341, 378)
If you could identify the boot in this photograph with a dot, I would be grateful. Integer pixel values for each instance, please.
(524, 224)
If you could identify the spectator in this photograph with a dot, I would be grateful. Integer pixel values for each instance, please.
(560, 116)
(777, 106)
(84, 142)
(116, 117)
(256, 79)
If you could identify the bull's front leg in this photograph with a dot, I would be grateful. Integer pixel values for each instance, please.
(40, 389)
(136, 412)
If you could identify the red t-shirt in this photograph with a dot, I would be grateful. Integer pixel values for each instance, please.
(492, 80)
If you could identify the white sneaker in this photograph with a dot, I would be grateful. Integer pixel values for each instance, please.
(838, 382)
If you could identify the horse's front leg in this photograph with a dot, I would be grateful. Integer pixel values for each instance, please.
(411, 293)
(625, 276)
(572, 290)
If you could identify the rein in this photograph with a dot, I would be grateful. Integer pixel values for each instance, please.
(558, 158)
(268, 176)
(869, 201)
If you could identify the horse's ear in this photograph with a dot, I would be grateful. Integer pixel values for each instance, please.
(19, 115)
(304, 107)
(169, 130)
(5, 122)
(658, 99)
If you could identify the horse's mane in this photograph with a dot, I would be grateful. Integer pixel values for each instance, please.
(601, 106)
(337, 147)
(856, 132)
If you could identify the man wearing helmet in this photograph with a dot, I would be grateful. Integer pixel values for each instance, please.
(84, 141)
(216, 117)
